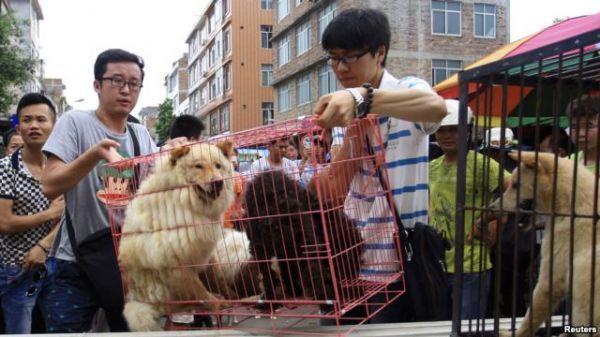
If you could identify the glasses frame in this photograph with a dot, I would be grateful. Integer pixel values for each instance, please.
(132, 86)
(335, 61)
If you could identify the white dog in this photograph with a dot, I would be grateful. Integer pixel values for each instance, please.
(170, 231)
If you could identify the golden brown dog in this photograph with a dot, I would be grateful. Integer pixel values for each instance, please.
(559, 258)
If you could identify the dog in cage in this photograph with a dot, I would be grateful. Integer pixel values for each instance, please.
(541, 172)
(287, 239)
(170, 231)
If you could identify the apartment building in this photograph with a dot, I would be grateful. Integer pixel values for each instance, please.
(229, 53)
(431, 39)
(176, 84)
(29, 14)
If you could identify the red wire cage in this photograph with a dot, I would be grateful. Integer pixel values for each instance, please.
(282, 249)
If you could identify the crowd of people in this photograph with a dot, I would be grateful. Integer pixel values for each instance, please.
(55, 238)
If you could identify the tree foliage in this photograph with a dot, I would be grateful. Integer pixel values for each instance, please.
(165, 119)
(16, 68)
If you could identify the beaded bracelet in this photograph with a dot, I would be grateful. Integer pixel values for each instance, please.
(365, 108)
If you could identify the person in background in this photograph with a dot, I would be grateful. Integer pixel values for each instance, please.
(12, 141)
(481, 186)
(560, 145)
(187, 126)
(276, 161)
(291, 152)
(314, 158)
(27, 217)
(585, 113)
(493, 147)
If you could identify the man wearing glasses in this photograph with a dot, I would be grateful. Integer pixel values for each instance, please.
(357, 42)
(83, 274)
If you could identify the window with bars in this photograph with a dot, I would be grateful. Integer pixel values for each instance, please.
(445, 17)
(303, 38)
(327, 80)
(266, 74)
(227, 77)
(268, 113)
(484, 20)
(303, 89)
(284, 97)
(325, 16)
(442, 69)
(266, 32)
(284, 51)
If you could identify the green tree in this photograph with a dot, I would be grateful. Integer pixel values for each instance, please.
(16, 68)
(165, 119)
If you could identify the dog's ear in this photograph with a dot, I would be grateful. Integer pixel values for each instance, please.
(226, 147)
(178, 153)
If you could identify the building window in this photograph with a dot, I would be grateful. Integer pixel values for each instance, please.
(266, 4)
(224, 118)
(212, 88)
(303, 38)
(266, 74)
(485, 20)
(284, 97)
(226, 8)
(445, 17)
(303, 89)
(265, 36)
(204, 95)
(214, 123)
(268, 113)
(283, 9)
(442, 69)
(283, 52)
(327, 81)
(212, 56)
(325, 16)
(227, 77)
(227, 42)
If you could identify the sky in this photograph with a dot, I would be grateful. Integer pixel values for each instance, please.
(74, 32)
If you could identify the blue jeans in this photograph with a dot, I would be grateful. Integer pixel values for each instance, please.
(16, 284)
(67, 302)
(475, 289)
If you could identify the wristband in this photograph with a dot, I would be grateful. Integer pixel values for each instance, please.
(46, 250)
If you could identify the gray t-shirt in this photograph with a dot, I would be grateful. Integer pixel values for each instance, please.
(74, 133)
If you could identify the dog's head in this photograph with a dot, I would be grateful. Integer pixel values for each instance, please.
(207, 170)
(531, 181)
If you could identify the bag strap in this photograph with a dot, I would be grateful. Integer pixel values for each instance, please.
(404, 235)
(69, 222)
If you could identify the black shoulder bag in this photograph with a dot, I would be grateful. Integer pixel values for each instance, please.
(97, 260)
(427, 297)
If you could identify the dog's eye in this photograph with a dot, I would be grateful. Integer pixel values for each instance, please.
(198, 166)
(218, 166)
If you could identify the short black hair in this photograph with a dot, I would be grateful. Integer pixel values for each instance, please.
(358, 28)
(7, 136)
(186, 126)
(584, 106)
(115, 56)
(564, 142)
(34, 98)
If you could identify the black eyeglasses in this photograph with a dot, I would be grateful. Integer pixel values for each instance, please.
(119, 82)
(39, 275)
(334, 61)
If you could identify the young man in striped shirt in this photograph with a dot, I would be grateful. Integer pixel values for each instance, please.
(357, 42)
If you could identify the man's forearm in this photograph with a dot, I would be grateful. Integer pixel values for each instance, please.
(47, 241)
(409, 104)
(19, 223)
(62, 178)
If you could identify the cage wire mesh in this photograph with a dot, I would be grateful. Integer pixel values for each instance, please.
(534, 220)
(278, 248)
